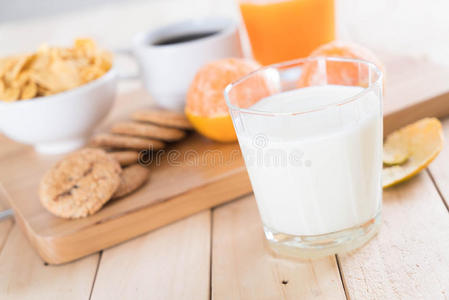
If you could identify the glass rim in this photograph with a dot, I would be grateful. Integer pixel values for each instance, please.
(344, 101)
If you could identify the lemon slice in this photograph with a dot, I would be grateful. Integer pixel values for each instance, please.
(394, 154)
(411, 149)
(395, 149)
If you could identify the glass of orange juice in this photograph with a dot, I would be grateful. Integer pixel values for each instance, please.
(281, 30)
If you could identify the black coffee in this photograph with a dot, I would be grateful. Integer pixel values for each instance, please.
(183, 38)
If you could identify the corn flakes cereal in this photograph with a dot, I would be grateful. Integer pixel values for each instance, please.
(51, 70)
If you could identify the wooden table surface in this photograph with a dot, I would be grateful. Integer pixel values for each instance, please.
(220, 253)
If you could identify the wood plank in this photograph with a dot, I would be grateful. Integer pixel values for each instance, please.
(439, 169)
(415, 88)
(197, 179)
(6, 224)
(169, 263)
(192, 175)
(409, 259)
(23, 275)
(242, 267)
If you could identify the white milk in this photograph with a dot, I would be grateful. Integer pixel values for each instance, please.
(315, 173)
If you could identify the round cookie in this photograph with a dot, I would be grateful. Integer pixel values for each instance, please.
(131, 179)
(80, 184)
(125, 158)
(148, 131)
(163, 117)
(115, 141)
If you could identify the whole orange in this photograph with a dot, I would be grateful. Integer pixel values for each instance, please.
(205, 104)
(337, 72)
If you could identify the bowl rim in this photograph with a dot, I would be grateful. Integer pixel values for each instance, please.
(144, 39)
(109, 75)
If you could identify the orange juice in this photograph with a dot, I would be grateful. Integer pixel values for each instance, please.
(281, 30)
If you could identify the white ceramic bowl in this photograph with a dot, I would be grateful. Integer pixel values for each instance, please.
(61, 122)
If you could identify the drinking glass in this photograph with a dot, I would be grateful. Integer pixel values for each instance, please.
(310, 132)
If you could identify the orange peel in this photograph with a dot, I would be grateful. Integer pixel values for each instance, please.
(206, 107)
(420, 142)
(340, 73)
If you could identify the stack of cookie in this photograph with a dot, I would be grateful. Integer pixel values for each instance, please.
(148, 130)
(81, 183)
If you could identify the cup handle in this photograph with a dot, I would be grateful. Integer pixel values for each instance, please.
(126, 52)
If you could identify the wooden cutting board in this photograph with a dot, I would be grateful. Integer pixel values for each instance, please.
(201, 174)
(415, 88)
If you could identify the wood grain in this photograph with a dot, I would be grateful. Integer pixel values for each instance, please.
(23, 274)
(242, 267)
(414, 89)
(169, 263)
(6, 224)
(439, 168)
(200, 174)
(409, 259)
(193, 175)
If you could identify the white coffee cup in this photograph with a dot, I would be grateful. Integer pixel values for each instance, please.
(168, 70)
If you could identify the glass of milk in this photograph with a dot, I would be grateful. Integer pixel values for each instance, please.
(313, 150)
